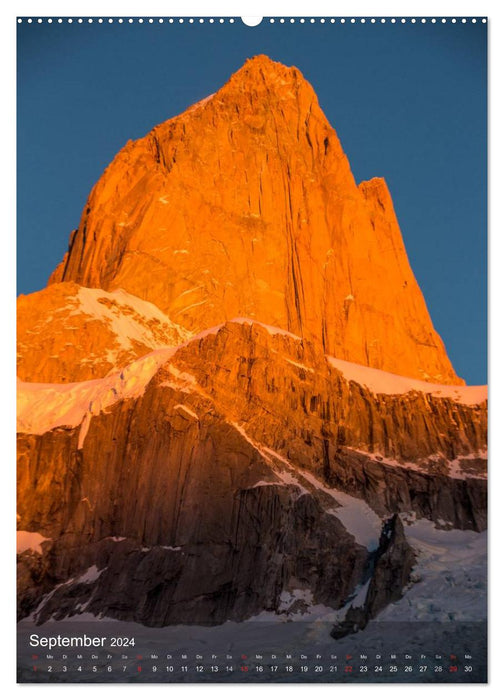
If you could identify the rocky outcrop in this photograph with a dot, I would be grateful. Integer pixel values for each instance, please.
(452, 502)
(67, 333)
(292, 397)
(245, 205)
(391, 567)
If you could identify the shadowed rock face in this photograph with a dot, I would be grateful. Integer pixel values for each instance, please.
(245, 205)
(392, 565)
(184, 519)
(196, 501)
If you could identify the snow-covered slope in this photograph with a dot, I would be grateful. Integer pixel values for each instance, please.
(380, 382)
(68, 333)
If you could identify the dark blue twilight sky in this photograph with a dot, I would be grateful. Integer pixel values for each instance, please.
(408, 102)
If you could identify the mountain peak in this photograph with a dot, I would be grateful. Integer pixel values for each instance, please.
(245, 206)
(261, 71)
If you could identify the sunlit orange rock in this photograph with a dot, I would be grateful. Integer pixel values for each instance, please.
(67, 333)
(245, 205)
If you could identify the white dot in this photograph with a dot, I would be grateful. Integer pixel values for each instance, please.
(100, 21)
(363, 21)
(282, 21)
(473, 21)
(454, 21)
(393, 20)
(333, 20)
(201, 21)
(170, 20)
(30, 21)
(70, 21)
(433, 20)
(231, 21)
(403, 21)
(373, 21)
(181, 21)
(322, 21)
(413, 21)
(140, 21)
(312, 21)
(302, 20)
(383, 21)
(151, 20)
(464, 21)
(292, 20)
(120, 20)
(20, 20)
(90, 21)
(343, 21)
(352, 21)
(443, 20)
(130, 21)
(110, 21)
(483, 21)
(424, 20)
(211, 20)
(160, 20)
(60, 21)
(221, 21)
(49, 21)
(272, 21)
(40, 21)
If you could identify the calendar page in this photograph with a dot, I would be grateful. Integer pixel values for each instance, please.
(252, 401)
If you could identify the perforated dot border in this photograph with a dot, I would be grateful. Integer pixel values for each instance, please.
(308, 21)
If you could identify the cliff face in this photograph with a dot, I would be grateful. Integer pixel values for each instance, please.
(219, 475)
(245, 205)
(167, 513)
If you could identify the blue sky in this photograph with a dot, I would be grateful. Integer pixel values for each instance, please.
(408, 103)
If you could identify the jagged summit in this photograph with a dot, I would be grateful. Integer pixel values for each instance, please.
(245, 206)
(262, 68)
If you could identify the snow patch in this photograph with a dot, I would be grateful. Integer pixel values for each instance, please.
(272, 330)
(90, 576)
(454, 466)
(298, 364)
(380, 382)
(355, 515)
(130, 318)
(450, 575)
(42, 407)
(29, 540)
(187, 410)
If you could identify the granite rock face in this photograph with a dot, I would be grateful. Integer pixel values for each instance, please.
(219, 485)
(245, 205)
(169, 514)
(391, 567)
